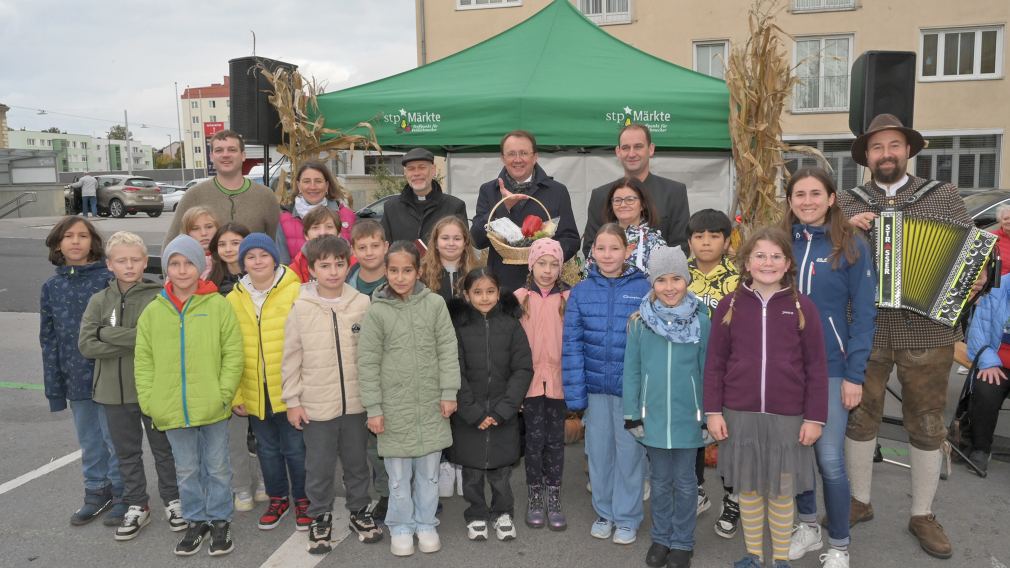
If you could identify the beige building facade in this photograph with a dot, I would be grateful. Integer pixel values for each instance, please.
(202, 109)
(962, 94)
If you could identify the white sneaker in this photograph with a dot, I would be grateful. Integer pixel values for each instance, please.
(476, 530)
(806, 538)
(835, 558)
(136, 518)
(504, 528)
(703, 501)
(173, 513)
(428, 542)
(244, 501)
(446, 479)
(401, 544)
(459, 480)
(261, 493)
(646, 490)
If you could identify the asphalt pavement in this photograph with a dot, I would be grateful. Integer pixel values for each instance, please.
(40, 482)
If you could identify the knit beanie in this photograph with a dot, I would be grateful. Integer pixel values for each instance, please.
(668, 260)
(188, 247)
(257, 241)
(543, 247)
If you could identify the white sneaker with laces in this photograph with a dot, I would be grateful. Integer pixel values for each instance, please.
(446, 479)
(244, 501)
(504, 528)
(428, 541)
(476, 530)
(173, 512)
(261, 493)
(703, 501)
(835, 558)
(136, 518)
(806, 538)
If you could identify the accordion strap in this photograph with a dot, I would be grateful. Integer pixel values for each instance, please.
(865, 197)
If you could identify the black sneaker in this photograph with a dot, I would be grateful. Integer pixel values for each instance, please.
(657, 555)
(95, 503)
(363, 524)
(679, 558)
(320, 534)
(729, 520)
(193, 539)
(379, 511)
(220, 538)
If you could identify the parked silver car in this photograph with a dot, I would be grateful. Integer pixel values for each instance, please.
(121, 194)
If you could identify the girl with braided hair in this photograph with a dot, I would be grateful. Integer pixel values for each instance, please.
(765, 389)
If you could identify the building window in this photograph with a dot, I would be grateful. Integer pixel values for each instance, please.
(197, 150)
(478, 4)
(194, 104)
(845, 170)
(212, 118)
(84, 145)
(710, 58)
(603, 12)
(822, 68)
(970, 161)
(196, 134)
(822, 5)
(196, 120)
(212, 104)
(199, 163)
(961, 54)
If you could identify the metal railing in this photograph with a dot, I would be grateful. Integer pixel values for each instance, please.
(17, 203)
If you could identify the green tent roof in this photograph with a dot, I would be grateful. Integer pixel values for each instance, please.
(555, 74)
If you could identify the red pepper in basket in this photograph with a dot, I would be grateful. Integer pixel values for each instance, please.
(531, 224)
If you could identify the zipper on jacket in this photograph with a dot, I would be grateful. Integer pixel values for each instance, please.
(669, 394)
(606, 345)
(340, 363)
(263, 361)
(122, 312)
(837, 337)
(764, 347)
(806, 254)
(182, 357)
(487, 398)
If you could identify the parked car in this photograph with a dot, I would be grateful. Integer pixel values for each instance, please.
(121, 194)
(982, 207)
(193, 182)
(171, 195)
(375, 209)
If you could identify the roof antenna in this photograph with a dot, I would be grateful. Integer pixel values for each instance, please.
(254, 42)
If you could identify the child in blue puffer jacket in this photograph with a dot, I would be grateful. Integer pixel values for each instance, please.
(75, 248)
(594, 336)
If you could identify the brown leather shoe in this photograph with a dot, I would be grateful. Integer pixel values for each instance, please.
(931, 537)
(859, 512)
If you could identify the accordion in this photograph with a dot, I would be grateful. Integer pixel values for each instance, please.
(928, 266)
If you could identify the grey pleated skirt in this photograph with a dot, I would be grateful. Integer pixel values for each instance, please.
(762, 454)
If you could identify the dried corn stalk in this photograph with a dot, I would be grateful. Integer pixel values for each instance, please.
(294, 97)
(760, 80)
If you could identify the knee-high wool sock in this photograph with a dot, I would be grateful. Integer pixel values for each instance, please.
(780, 525)
(925, 479)
(752, 517)
(859, 463)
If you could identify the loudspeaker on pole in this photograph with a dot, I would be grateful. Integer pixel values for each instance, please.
(882, 82)
(252, 115)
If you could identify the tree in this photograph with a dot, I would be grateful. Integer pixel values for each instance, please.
(52, 130)
(161, 161)
(118, 132)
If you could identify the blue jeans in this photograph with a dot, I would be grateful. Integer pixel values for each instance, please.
(98, 456)
(674, 500)
(413, 493)
(281, 452)
(830, 450)
(616, 463)
(89, 204)
(203, 471)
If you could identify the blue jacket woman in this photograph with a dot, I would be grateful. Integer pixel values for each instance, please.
(985, 333)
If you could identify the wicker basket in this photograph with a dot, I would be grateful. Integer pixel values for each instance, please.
(510, 254)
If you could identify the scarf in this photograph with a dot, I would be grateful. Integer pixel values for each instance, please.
(303, 207)
(518, 187)
(678, 324)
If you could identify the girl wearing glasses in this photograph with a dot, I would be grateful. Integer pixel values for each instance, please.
(765, 388)
(628, 205)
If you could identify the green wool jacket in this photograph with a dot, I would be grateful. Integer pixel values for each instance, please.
(408, 361)
(189, 362)
(109, 334)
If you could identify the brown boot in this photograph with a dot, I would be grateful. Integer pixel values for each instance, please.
(859, 512)
(931, 537)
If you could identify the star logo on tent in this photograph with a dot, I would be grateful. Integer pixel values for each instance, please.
(403, 112)
(627, 110)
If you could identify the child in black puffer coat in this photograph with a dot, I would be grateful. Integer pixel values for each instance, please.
(496, 368)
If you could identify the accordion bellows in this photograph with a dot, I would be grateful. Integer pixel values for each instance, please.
(928, 265)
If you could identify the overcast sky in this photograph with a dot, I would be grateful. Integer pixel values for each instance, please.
(95, 58)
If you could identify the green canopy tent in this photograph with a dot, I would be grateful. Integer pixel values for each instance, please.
(555, 74)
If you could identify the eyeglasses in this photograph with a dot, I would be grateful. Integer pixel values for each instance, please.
(761, 258)
(520, 154)
(630, 200)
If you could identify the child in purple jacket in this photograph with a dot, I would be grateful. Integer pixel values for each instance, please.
(766, 399)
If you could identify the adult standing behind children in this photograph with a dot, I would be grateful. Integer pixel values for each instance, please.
(519, 179)
(411, 215)
(229, 195)
(314, 187)
(634, 149)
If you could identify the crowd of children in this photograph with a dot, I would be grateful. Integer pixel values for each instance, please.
(368, 354)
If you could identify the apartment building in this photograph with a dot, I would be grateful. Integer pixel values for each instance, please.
(961, 93)
(82, 153)
(203, 111)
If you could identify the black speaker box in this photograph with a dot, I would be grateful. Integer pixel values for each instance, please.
(882, 82)
(252, 115)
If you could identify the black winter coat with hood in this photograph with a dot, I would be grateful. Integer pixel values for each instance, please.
(496, 368)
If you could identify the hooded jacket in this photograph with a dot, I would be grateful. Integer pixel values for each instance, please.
(407, 218)
(408, 361)
(555, 198)
(762, 361)
(495, 367)
(188, 361)
(595, 333)
(319, 367)
(66, 373)
(663, 384)
(836, 291)
(263, 338)
(109, 336)
(544, 326)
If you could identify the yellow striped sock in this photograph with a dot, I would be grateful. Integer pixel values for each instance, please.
(780, 525)
(752, 517)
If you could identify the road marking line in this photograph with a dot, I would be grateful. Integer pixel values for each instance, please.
(21, 386)
(36, 473)
(293, 553)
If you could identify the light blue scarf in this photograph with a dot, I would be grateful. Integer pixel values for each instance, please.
(678, 324)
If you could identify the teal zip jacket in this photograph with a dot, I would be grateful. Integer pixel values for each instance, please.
(663, 384)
